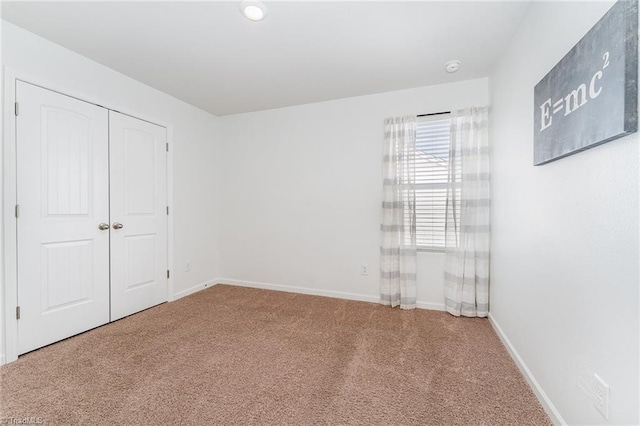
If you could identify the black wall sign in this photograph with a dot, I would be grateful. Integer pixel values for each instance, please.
(591, 95)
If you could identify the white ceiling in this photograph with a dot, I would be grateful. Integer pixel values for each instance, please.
(209, 55)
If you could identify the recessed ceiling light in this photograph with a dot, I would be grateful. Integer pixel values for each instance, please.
(452, 66)
(253, 10)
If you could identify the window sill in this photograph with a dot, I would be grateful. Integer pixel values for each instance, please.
(430, 250)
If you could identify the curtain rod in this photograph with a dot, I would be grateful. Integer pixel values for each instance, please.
(433, 113)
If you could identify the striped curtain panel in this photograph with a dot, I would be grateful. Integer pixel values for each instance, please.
(467, 229)
(398, 229)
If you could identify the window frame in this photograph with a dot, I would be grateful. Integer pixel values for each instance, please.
(433, 185)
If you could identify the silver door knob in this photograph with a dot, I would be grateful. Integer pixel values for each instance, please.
(103, 226)
(118, 225)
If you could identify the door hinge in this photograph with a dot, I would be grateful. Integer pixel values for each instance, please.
(167, 146)
(17, 109)
(17, 312)
(17, 211)
(168, 274)
(167, 209)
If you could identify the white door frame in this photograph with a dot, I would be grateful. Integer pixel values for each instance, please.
(10, 285)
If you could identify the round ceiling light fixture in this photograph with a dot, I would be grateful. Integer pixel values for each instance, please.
(253, 10)
(452, 66)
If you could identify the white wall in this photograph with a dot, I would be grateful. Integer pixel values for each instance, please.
(194, 144)
(564, 263)
(296, 202)
(302, 192)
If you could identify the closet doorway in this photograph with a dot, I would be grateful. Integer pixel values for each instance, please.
(91, 216)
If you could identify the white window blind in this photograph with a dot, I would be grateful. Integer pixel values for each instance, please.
(432, 167)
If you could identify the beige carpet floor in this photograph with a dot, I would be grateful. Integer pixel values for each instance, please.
(230, 355)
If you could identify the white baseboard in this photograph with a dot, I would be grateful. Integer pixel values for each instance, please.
(194, 289)
(2, 359)
(430, 306)
(548, 406)
(321, 292)
(301, 290)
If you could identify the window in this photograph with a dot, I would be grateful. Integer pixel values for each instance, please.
(432, 167)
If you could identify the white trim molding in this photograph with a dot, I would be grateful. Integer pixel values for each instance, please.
(300, 290)
(546, 403)
(9, 322)
(430, 306)
(170, 224)
(321, 292)
(196, 288)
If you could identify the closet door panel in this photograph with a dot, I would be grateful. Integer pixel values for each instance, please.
(63, 197)
(138, 215)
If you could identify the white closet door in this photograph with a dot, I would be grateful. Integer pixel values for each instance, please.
(63, 197)
(138, 214)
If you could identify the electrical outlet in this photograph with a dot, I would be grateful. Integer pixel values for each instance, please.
(364, 269)
(187, 266)
(601, 396)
